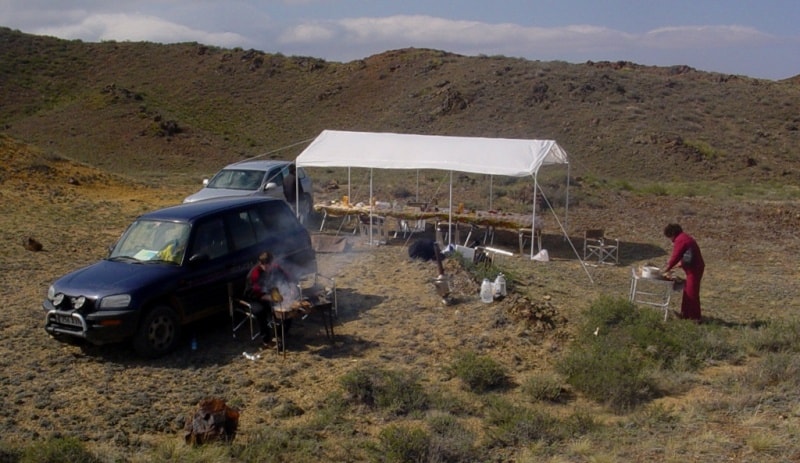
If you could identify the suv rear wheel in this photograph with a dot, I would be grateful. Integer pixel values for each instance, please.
(158, 332)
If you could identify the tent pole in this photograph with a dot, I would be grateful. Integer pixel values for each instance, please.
(349, 194)
(566, 206)
(450, 212)
(416, 198)
(369, 201)
(491, 194)
(533, 217)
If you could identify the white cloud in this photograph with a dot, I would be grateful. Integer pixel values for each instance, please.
(705, 37)
(512, 39)
(135, 27)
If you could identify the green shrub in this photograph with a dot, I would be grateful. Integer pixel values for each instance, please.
(620, 348)
(275, 444)
(395, 392)
(403, 444)
(543, 387)
(58, 450)
(450, 440)
(776, 369)
(515, 426)
(479, 373)
(9, 454)
(609, 372)
(776, 336)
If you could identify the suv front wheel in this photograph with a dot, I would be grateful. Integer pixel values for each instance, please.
(158, 332)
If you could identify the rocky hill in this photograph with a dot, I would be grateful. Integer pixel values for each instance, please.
(188, 108)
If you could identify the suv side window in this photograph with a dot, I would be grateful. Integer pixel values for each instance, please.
(241, 229)
(210, 239)
(277, 217)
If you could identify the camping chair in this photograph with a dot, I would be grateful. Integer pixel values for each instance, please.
(410, 227)
(443, 229)
(243, 313)
(525, 235)
(377, 226)
(600, 248)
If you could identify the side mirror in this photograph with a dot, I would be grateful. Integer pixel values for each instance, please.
(270, 186)
(205, 182)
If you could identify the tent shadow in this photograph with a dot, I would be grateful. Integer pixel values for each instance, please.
(629, 252)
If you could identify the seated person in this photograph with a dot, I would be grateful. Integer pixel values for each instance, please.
(262, 289)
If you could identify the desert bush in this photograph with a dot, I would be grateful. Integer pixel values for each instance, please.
(775, 336)
(392, 391)
(171, 450)
(330, 412)
(402, 444)
(512, 425)
(450, 441)
(9, 454)
(620, 348)
(275, 444)
(609, 372)
(479, 373)
(543, 387)
(58, 450)
(579, 423)
(776, 369)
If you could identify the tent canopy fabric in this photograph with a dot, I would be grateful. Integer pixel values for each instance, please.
(496, 156)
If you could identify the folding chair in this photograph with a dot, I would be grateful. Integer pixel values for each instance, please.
(376, 226)
(525, 235)
(443, 229)
(242, 314)
(600, 248)
(407, 227)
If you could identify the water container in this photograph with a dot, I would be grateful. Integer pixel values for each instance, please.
(500, 286)
(486, 291)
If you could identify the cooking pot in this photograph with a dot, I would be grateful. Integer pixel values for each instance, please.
(649, 271)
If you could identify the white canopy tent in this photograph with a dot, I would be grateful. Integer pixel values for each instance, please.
(494, 156)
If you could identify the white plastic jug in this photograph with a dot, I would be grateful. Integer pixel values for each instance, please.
(500, 286)
(486, 291)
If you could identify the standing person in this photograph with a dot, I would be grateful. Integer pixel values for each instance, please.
(261, 281)
(291, 187)
(686, 255)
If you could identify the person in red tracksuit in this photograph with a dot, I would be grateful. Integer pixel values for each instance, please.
(264, 276)
(686, 255)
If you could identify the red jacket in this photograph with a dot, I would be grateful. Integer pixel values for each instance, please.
(257, 278)
(685, 244)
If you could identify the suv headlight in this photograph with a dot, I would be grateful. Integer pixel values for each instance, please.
(51, 292)
(118, 301)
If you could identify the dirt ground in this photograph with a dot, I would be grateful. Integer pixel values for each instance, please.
(388, 312)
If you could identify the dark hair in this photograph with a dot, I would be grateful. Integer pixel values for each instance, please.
(672, 230)
(265, 258)
(292, 168)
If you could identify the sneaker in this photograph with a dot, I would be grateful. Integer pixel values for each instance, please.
(269, 344)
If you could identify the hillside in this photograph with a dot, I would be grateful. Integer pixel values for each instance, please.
(189, 108)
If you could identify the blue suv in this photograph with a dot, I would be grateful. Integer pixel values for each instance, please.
(172, 267)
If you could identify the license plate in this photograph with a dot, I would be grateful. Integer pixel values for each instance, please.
(67, 320)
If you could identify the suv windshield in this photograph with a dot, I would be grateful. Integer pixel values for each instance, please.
(153, 240)
(235, 179)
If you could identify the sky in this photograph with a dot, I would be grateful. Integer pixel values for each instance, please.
(758, 38)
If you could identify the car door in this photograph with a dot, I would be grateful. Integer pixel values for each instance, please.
(203, 289)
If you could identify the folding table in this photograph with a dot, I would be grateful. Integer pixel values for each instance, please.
(655, 292)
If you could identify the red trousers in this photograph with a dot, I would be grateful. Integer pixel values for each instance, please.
(690, 305)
